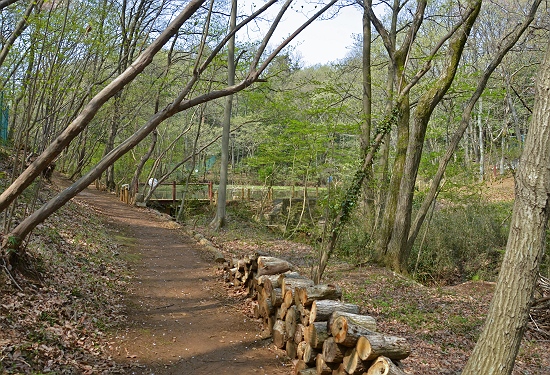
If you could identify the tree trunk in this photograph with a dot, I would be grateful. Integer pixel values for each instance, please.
(134, 185)
(481, 142)
(496, 350)
(219, 220)
(397, 254)
(367, 112)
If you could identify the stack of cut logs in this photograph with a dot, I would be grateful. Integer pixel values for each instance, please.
(321, 334)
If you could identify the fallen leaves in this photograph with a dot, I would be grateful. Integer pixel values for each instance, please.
(60, 325)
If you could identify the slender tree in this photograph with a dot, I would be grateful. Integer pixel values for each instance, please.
(219, 219)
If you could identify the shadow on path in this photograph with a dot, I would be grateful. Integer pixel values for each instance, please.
(179, 318)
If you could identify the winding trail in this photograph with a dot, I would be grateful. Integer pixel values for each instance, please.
(180, 320)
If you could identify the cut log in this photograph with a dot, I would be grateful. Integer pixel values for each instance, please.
(279, 334)
(308, 371)
(256, 310)
(291, 283)
(232, 272)
(323, 368)
(276, 297)
(308, 294)
(321, 310)
(291, 349)
(269, 322)
(304, 316)
(299, 333)
(268, 282)
(242, 265)
(290, 275)
(265, 307)
(272, 266)
(303, 313)
(281, 312)
(371, 346)
(384, 366)
(333, 352)
(291, 321)
(287, 297)
(299, 366)
(339, 370)
(300, 350)
(364, 320)
(316, 334)
(347, 328)
(309, 354)
(352, 362)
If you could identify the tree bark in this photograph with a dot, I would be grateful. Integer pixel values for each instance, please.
(322, 310)
(370, 347)
(497, 347)
(219, 219)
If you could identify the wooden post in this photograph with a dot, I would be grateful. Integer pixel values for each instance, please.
(242, 193)
(248, 194)
(174, 193)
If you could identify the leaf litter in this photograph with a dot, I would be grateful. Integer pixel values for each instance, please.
(59, 324)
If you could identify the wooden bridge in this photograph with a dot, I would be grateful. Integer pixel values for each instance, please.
(168, 196)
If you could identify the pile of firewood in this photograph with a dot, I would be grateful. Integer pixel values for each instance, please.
(319, 332)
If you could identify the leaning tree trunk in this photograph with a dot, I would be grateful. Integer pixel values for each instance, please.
(498, 345)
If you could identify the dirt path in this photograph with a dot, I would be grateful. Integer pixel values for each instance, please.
(180, 320)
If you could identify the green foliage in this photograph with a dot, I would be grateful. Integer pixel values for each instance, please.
(464, 241)
(354, 242)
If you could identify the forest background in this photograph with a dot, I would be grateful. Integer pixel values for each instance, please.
(396, 142)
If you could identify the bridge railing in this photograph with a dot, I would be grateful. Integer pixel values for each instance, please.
(207, 191)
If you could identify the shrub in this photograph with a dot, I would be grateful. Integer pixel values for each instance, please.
(463, 242)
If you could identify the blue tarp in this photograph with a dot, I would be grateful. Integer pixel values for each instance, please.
(4, 117)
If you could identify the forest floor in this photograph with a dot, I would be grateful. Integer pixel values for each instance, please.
(154, 302)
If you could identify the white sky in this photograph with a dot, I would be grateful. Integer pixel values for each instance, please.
(321, 42)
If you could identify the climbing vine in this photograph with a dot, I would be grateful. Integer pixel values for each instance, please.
(351, 196)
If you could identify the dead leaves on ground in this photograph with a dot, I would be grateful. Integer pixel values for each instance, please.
(60, 326)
